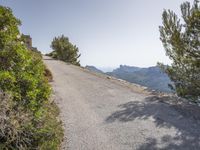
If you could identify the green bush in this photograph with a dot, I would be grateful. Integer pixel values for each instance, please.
(27, 118)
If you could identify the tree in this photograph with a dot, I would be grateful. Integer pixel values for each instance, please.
(181, 40)
(64, 50)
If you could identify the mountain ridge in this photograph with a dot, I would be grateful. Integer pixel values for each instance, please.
(152, 77)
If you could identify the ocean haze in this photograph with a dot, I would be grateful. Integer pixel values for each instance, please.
(106, 69)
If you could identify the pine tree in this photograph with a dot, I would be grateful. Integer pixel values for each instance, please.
(64, 50)
(181, 40)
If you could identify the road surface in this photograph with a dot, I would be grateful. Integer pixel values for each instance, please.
(100, 113)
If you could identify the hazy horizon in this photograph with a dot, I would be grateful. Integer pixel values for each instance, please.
(110, 69)
(108, 32)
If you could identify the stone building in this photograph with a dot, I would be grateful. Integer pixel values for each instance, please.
(28, 42)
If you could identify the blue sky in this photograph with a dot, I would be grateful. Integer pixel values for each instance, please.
(107, 32)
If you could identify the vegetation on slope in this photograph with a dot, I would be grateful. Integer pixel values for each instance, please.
(27, 117)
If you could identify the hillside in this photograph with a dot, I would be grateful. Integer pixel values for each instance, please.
(151, 77)
(94, 69)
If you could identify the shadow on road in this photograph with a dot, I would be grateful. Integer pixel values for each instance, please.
(185, 118)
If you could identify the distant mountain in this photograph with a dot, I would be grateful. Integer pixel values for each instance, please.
(124, 68)
(151, 77)
(94, 69)
(106, 69)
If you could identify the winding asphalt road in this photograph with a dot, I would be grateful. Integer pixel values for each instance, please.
(101, 113)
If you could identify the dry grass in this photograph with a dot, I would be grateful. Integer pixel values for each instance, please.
(48, 74)
(18, 132)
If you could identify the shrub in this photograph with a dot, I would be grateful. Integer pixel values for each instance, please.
(19, 131)
(15, 130)
(28, 119)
